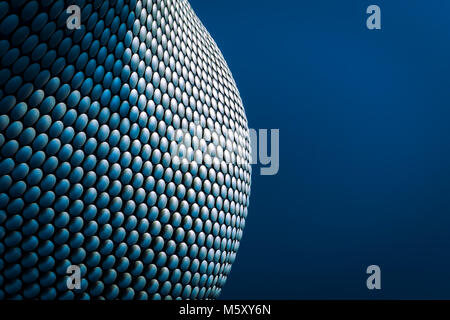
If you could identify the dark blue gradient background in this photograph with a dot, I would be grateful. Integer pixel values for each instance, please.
(364, 120)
